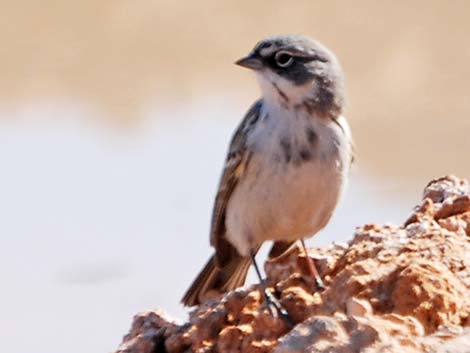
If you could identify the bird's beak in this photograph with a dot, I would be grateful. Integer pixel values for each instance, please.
(251, 61)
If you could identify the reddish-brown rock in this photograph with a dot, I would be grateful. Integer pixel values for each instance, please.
(392, 288)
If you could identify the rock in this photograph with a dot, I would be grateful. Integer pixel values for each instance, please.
(356, 307)
(459, 344)
(390, 289)
(148, 333)
(317, 332)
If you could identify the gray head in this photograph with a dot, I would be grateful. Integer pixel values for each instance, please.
(298, 72)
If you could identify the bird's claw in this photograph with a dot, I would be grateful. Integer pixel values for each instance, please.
(277, 310)
(319, 285)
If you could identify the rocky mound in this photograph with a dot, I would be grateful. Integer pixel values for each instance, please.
(390, 289)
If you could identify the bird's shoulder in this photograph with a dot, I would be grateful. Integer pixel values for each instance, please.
(240, 136)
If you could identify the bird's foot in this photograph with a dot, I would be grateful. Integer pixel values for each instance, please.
(319, 285)
(276, 309)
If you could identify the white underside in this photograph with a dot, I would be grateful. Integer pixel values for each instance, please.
(276, 200)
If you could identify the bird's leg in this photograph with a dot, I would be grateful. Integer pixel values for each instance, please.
(313, 270)
(273, 304)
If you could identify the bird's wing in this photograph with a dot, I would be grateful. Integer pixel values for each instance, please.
(235, 167)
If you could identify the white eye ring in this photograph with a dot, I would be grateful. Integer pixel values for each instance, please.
(283, 59)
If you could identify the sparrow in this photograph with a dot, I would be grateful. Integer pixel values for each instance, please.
(286, 167)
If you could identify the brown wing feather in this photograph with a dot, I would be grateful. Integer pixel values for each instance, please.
(235, 166)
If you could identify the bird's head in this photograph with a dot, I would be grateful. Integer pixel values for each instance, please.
(296, 71)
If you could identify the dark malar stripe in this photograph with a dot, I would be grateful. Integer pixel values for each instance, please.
(281, 93)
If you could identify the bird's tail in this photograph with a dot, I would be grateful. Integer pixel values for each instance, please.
(222, 279)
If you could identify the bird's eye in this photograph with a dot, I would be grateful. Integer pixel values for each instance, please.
(284, 59)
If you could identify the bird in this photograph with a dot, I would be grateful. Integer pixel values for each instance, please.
(286, 167)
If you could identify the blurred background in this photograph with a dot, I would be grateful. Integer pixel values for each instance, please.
(114, 122)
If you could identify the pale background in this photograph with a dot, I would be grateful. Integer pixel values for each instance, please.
(114, 122)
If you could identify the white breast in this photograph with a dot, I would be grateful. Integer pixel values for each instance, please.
(288, 200)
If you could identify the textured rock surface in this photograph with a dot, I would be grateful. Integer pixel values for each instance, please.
(390, 289)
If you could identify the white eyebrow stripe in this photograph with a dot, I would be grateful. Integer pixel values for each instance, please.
(267, 51)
